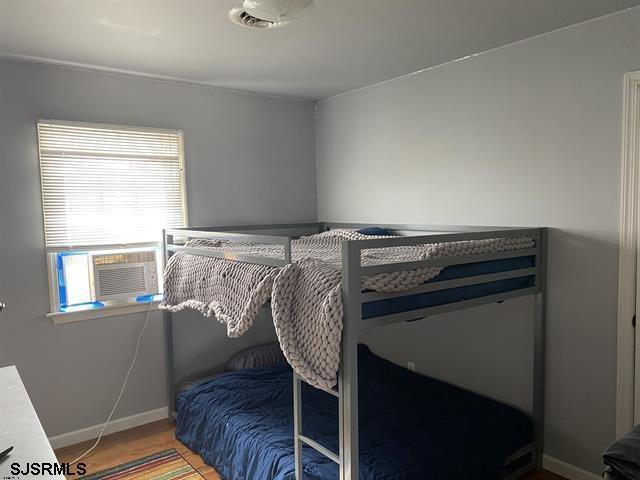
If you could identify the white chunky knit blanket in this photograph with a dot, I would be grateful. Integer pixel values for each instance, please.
(305, 295)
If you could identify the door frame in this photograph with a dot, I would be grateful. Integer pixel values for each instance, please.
(628, 387)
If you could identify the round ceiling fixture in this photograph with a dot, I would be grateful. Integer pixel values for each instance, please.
(269, 13)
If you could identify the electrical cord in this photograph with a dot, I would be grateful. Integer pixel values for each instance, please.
(124, 384)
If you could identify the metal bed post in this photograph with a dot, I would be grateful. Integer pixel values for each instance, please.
(171, 388)
(539, 349)
(168, 335)
(297, 426)
(297, 400)
(348, 374)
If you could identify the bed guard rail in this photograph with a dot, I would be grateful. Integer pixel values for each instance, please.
(170, 235)
(353, 271)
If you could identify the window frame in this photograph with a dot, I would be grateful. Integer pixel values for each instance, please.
(116, 308)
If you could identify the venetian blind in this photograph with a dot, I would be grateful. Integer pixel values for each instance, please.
(109, 185)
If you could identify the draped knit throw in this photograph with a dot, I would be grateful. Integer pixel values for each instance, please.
(306, 300)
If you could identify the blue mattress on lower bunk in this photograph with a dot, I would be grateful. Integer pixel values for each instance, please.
(411, 426)
(458, 294)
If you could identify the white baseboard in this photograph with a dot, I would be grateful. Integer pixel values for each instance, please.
(114, 426)
(567, 470)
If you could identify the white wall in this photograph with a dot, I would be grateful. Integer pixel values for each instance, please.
(528, 134)
(249, 159)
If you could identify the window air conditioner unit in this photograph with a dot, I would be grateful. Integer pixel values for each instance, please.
(124, 275)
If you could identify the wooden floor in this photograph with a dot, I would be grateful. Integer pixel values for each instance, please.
(123, 447)
(154, 437)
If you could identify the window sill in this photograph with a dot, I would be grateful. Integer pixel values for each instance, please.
(59, 318)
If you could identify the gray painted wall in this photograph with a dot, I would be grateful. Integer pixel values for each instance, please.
(528, 134)
(249, 159)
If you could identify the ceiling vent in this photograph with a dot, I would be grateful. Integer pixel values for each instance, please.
(269, 13)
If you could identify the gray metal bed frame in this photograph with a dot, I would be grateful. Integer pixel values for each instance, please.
(526, 459)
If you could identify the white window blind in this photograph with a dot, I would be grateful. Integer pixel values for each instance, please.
(109, 185)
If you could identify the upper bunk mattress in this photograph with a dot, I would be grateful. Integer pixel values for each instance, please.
(306, 295)
(408, 303)
(411, 426)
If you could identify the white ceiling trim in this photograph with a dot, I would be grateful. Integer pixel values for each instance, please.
(473, 55)
(89, 68)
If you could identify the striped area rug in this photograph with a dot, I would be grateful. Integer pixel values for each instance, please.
(167, 465)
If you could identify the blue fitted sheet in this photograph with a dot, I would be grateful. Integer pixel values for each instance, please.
(452, 295)
(411, 427)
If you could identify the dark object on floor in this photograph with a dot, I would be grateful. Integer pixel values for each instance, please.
(622, 457)
(6, 452)
(411, 427)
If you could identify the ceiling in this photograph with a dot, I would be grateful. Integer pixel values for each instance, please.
(343, 45)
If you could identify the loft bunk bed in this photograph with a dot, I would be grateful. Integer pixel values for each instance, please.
(464, 281)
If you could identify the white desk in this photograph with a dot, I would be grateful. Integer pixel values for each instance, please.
(20, 427)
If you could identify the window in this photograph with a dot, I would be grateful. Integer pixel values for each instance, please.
(107, 191)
